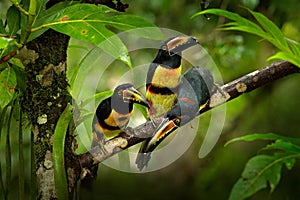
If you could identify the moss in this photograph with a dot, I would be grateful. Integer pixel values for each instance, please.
(46, 82)
(41, 148)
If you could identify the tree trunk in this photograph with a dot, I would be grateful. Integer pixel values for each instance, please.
(45, 98)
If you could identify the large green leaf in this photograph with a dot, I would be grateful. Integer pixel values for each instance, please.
(264, 170)
(8, 83)
(90, 23)
(260, 171)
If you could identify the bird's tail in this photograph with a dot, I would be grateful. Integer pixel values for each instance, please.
(143, 156)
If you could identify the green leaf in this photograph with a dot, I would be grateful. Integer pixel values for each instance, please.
(4, 42)
(8, 83)
(89, 23)
(6, 46)
(265, 136)
(143, 110)
(60, 178)
(286, 56)
(289, 50)
(275, 33)
(44, 15)
(284, 146)
(295, 47)
(260, 171)
(240, 23)
(13, 20)
(18, 68)
(17, 62)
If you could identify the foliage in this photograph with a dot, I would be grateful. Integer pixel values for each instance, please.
(86, 22)
(89, 23)
(263, 170)
(289, 50)
(25, 21)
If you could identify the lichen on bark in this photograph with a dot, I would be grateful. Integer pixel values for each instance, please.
(45, 98)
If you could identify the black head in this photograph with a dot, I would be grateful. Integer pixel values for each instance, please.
(169, 53)
(125, 96)
(181, 113)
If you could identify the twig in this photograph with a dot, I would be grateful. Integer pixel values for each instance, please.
(230, 91)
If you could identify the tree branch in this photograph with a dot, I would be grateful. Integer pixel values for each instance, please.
(228, 92)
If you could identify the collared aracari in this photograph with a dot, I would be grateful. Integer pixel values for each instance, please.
(113, 114)
(111, 118)
(163, 78)
(195, 90)
(164, 74)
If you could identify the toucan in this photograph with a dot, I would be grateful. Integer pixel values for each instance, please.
(164, 74)
(195, 89)
(111, 118)
(113, 114)
(163, 78)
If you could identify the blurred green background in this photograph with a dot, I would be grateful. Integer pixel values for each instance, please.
(272, 108)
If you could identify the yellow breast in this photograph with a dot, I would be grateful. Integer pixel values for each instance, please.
(166, 77)
(117, 119)
(160, 103)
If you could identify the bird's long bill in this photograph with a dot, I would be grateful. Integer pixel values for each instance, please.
(132, 95)
(179, 44)
(162, 131)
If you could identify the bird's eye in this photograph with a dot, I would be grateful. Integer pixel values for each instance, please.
(177, 121)
(120, 93)
(164, 47)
